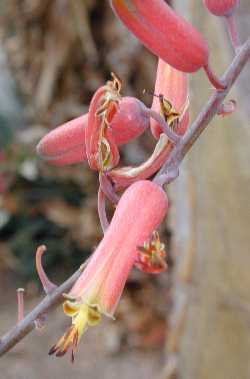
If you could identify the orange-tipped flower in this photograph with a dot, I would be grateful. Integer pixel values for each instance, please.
(140, 210)
(165, 33)
(221, 7)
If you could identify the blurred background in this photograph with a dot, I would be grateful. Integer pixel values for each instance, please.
(53, 56)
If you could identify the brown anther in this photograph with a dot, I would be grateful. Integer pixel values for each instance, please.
(69, 339)
(117, 82)
(170, 115)
(48, 286)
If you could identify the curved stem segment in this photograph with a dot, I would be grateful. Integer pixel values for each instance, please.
(233, 31)
(167, 178)
(48, 286)
(107, 188)
(102, 210)
(214, 80)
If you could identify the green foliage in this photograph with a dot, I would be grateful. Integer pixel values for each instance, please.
(29, 227)
(6, 133)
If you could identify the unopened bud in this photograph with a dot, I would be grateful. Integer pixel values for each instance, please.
(221, 7)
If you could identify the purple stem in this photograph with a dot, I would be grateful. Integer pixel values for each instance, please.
(108, 188)
(214, 80)
(166, 178)
(28, 323)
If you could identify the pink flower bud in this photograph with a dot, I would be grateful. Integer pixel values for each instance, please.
(165, 33)
(221, 7)
(173, 85)
(140, 210)
(66, 144)
(129, 122)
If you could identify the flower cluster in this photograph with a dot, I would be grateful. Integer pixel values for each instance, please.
(130, 239)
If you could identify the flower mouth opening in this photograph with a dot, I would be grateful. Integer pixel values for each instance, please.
(170, 114)
(83, 315)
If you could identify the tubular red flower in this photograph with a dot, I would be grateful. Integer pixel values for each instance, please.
(173, 85)
(65, 144)
(221, 7)
(140, 210)
(165, 33)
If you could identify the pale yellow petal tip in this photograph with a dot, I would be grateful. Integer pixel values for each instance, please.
(71, 309)
(94, 317)
(82, 316)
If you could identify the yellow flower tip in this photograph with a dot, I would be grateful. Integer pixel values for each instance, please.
(70, 308)
(94, 316)
(82, 316)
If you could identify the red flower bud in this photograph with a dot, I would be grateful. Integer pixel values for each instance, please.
(221, 7)
(165, 33)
